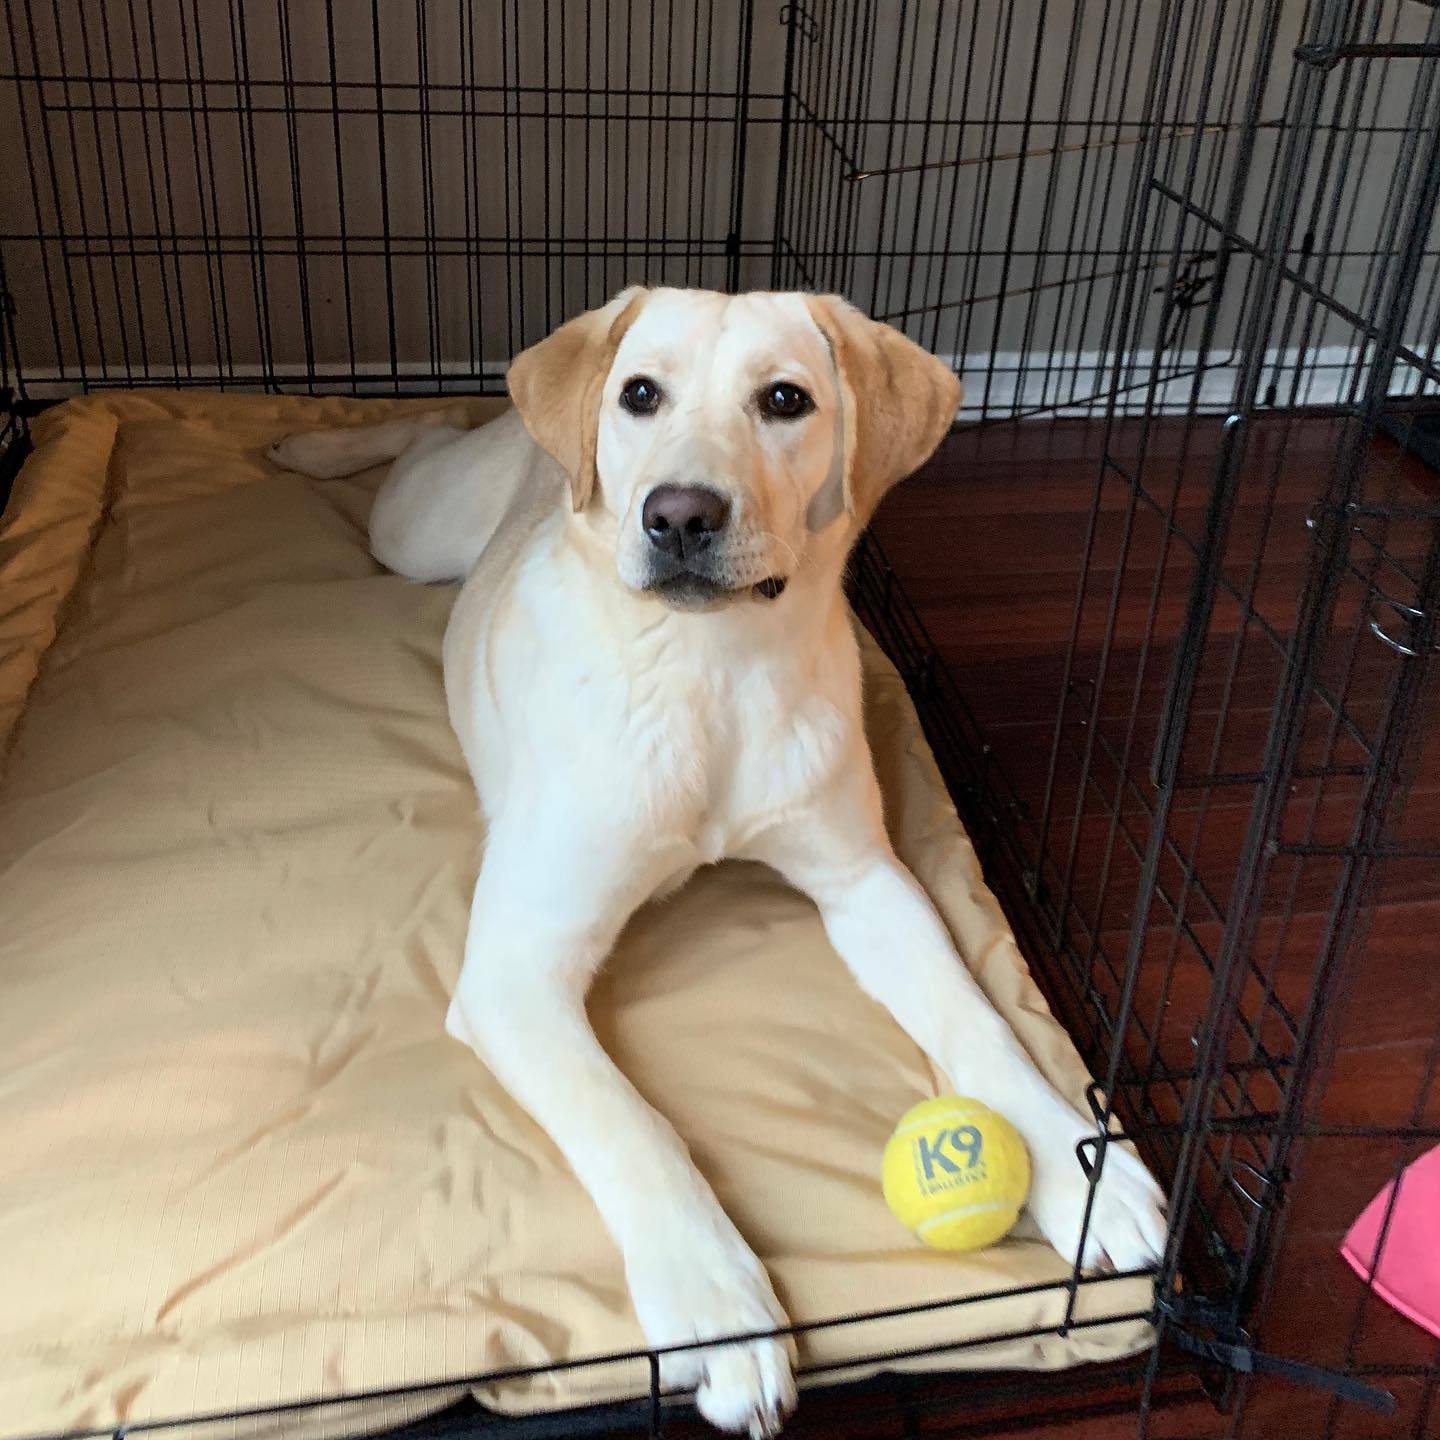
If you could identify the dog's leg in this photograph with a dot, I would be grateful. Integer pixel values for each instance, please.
(538, 932)
(883, 925)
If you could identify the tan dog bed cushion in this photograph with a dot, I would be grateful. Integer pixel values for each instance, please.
(241, 1163)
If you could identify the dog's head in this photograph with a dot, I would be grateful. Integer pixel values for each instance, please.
(726, 442)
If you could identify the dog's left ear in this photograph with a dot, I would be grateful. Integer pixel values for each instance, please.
(556, 386)
(897, 400)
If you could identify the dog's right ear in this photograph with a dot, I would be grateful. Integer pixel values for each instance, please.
(556, 386)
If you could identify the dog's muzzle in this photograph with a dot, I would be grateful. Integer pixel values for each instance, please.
(684, 525)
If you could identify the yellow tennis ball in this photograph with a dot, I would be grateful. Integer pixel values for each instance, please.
(955, 1173)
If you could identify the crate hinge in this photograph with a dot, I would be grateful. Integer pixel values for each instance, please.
(1230, 1348)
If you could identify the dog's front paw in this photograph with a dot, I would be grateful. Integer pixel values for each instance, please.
(1127, 1220)
(702, 1287)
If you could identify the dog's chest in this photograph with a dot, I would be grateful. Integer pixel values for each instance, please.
(726, 754)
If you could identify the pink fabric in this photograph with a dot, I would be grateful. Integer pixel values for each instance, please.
(1408, 1272)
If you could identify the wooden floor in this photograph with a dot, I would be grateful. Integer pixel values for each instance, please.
(989, 542)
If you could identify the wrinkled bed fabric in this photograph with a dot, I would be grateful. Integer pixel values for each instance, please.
(240, 1161)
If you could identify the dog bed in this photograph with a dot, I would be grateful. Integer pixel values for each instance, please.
(241, 1163)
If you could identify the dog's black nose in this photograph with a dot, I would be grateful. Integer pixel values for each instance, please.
(681, 520)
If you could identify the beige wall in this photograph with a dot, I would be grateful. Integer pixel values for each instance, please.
(207, 189)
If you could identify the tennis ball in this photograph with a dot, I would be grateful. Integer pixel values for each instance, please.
(955, 1173)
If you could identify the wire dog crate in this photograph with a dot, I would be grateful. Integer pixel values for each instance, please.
(1204, 230)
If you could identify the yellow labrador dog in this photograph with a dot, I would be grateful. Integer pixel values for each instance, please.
(651, 667)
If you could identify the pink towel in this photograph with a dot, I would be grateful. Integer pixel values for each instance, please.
(1407, 1274)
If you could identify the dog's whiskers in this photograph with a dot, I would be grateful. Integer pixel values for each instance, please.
(783, 544)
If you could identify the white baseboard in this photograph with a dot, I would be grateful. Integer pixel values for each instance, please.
(1078, 383)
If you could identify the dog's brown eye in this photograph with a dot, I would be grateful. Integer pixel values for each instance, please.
(641, 396)
(783, 401)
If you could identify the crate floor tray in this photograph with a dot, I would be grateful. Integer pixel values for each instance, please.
(241, 1163)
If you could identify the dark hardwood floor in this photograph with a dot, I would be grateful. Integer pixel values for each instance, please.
(989, 541)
